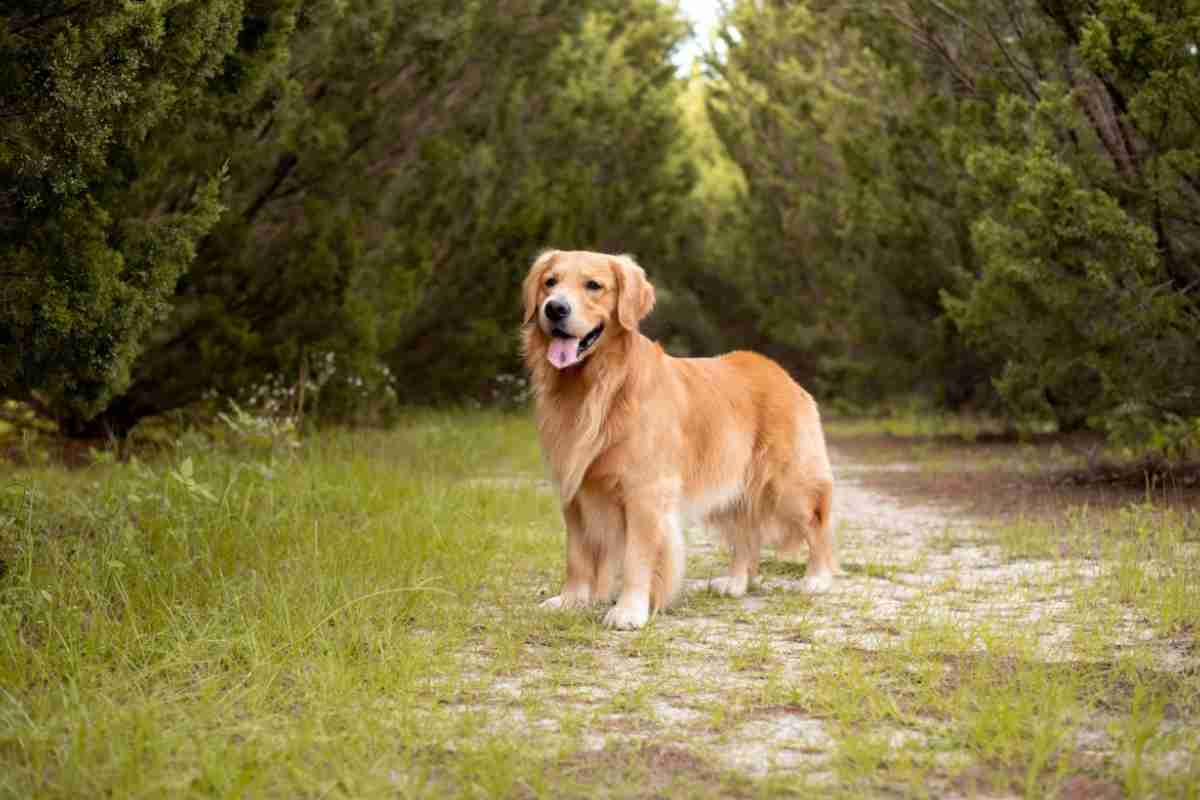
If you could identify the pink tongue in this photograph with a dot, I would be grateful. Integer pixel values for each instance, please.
(563, 352)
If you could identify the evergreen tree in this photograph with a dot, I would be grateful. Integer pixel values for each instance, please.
(1090, 242)
(852, 219)
(89, 260)
(581, 150)
(357, 139)
(941, 190)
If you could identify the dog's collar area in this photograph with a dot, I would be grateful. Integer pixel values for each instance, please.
(591, 338)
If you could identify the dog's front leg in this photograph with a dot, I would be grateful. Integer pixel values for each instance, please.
(581, 563)
(646, 535)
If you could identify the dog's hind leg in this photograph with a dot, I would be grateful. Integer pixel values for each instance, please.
(745, 543)
(670, 566)
(804, 515)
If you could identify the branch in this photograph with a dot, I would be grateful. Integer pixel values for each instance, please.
(1012, 62)
(287, 162)
(1105, 123)
(928, 40)
(1014, 18)
(37, 22)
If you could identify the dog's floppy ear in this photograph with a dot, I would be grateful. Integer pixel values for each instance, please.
(636, 296)
(533, 280)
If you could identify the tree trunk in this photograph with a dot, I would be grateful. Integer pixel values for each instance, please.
(115, 422)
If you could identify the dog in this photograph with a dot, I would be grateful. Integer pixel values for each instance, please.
(638, 442)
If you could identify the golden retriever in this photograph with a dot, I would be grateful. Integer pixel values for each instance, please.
(638, 442)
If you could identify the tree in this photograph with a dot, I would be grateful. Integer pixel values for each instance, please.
(580, 150)
(89, 261)
(1089, 282)
(853, 218)
(328, 120)
(942, 191)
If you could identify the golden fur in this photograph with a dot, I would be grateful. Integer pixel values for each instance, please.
(637, 441)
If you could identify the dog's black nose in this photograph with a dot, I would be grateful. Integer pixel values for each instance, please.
(557, 310)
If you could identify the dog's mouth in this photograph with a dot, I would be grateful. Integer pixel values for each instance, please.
(567, 350)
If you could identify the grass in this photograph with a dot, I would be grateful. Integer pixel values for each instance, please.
(1149, 558)
(915, 423)
(355, 617)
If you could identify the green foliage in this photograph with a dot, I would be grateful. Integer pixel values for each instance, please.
(1069, 281)
(579, 148)
(323, 207)
(719, 180)
(321, 109)
(1088, 246)
(852, 224)
(940, 193)
(387, 170)
(88, 261)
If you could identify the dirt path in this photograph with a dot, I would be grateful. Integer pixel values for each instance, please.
(813, 688)
(900, 562)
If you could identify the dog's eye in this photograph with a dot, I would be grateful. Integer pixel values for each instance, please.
(594, 286)
(551, 282)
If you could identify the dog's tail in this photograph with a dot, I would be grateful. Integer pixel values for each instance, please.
(669, 568)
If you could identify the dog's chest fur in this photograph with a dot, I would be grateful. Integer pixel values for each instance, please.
(580, 411)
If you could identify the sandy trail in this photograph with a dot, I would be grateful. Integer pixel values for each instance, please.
(719, 666)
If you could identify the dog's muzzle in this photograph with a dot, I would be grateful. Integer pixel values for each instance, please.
(566, 350)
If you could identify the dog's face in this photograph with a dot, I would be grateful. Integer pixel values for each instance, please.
(580, 300)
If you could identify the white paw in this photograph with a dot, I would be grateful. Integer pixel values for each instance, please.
(730, 587)
(817, 584)
(626, 619)
(567, 600)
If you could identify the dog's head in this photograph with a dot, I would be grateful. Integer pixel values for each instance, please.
(579, 300)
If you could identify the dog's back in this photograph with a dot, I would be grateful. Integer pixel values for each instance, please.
(743, 407)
